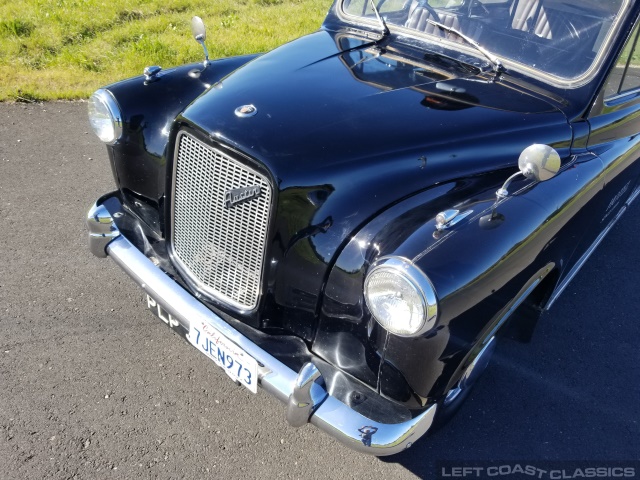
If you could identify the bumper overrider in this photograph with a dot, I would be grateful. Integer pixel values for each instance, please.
(302, 392)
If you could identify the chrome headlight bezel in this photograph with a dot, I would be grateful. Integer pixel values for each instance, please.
(104, 108)
(405, 271)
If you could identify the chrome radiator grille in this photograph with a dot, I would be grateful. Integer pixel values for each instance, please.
(219, 247)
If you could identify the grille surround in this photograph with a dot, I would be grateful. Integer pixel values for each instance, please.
(219, 249)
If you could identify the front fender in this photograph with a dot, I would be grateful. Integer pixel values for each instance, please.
(479, 269)
(347, 336)
(148, 109)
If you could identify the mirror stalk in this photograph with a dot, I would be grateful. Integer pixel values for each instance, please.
(206, 62)
(504, 192)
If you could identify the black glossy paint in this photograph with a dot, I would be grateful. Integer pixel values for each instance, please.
(139, 159)
(354, 161)
(366, 143)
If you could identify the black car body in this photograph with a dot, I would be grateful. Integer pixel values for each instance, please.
(270, 204)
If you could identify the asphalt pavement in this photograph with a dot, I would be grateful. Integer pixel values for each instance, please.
(93, 386)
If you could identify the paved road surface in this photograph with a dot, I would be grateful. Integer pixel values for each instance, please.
(93, 386)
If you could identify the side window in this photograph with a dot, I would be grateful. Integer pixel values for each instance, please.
(625, 76)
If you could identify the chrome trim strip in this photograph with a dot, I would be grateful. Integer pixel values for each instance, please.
(334, 417)
(633, 196)
(585, 256)
(478, 365)
(523, 296)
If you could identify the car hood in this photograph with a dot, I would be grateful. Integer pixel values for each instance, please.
(337, 113)
(347, 129)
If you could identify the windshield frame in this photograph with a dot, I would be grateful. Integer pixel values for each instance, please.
(511, 64)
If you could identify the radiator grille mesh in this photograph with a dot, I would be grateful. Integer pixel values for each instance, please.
(221, 248)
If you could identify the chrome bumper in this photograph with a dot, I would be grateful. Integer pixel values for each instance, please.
(305, 399)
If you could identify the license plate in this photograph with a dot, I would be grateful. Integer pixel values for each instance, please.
(236, 363)
(232, 359)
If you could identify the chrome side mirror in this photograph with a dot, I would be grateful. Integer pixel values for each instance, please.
(537, 161)
(198, 29)
(200, 35)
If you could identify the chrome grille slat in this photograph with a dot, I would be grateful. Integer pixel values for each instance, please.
(220, 249)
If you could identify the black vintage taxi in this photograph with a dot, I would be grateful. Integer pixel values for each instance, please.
(351, 220)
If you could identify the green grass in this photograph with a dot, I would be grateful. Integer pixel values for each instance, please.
(65, 49)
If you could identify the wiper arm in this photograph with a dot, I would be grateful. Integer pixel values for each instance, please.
(383, 24)
(495, 61)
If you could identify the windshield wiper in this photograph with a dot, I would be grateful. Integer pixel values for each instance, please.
(495, 61)
(383, 24)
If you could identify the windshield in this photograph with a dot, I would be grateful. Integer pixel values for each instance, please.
(561, 38)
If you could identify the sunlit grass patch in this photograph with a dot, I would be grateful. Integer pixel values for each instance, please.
(65, 49)
(16, 27)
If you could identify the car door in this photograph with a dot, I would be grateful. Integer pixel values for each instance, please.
(615, 132)
(614, 123)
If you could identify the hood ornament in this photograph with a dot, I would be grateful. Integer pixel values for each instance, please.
(448, 218)
(246, 111)
(152, 73)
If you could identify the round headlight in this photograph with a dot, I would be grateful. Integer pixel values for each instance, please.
(400, 297)
(105, 116)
